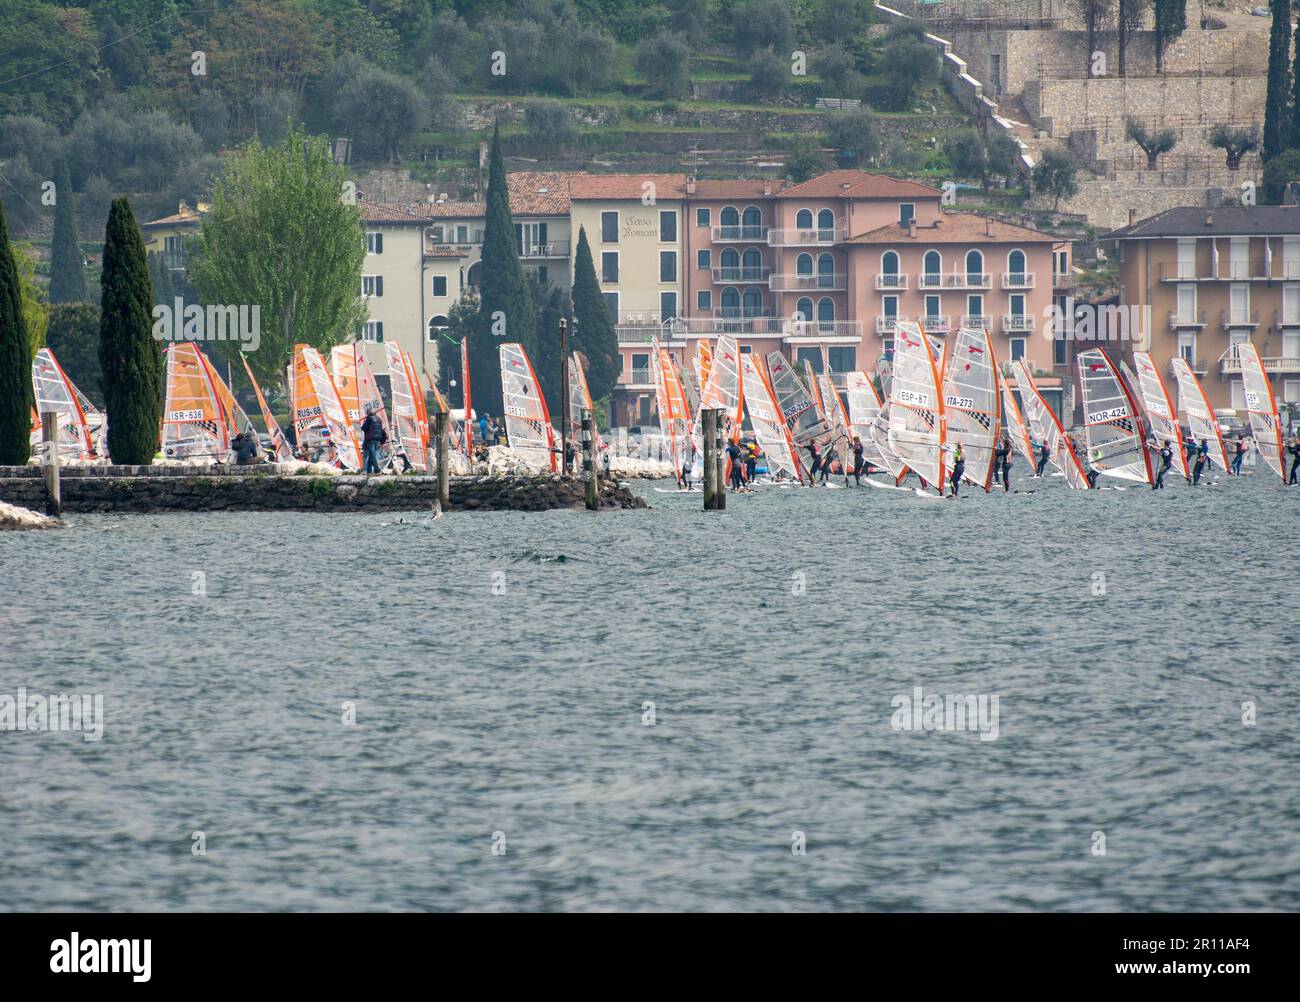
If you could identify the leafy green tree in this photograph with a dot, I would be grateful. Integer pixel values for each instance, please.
(551, 126)
(853, 133)
(282, 235)
(1055, 174)
(907, 63)
(1236, 143)
(839, 20)
(553, 306)
(131, 364)
(763, 24)
(73, 336)
(665, 61)
(1278, 173)
(769, 74)
(1279, 80)
(34, 138)
(379, 109)
(67, 266)
(1152, 142)
(593, 331)
(805, 159)
(36, 304)
(837, 69)
(34, 37)
(1170, 22)
(505, 305)
(164, 290)
(15, 361)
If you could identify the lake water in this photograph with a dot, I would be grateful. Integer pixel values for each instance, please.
(500, 666)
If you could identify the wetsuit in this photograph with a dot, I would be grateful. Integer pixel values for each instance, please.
(826, 463)
(1002, 459)
(1043, 456)
(858, 462)
(1294, 449)
(733, 453)
(816, 464)
(1202, 457)
(958, 468)
(1166, 458)
(1238, 456)
(751, 461)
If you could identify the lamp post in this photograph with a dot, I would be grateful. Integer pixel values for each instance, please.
(564, 397)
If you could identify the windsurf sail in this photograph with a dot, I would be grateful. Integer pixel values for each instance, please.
(703, 362)
(1261, 408)
(1047, 428)
(343, 370)
(231, 411)
(1201, 421)
(670, 401)
(1161, 412)
(580, 400)
(865, 411)
(194, 422)
(795, 400)
(970, 399)
(410, 417)
(724, 391)
(528, 422)
(54, 391)
(320, 420)
(916, 411)
(765, 416)
(465, 397)
(841, 430)
(1017, 429)
(280, 444)
(1111, 422)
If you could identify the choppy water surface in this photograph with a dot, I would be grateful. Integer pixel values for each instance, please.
(522, 713)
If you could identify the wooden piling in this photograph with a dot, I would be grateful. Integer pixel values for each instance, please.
(589, 458)
(720, 455)
(441, 425)
(708, 434)
(50, 462)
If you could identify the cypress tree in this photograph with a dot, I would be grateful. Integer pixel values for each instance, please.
(593, 333)
(128, 354)
(15, 361)
(1295, 95)
(552, 307)
(1170, 22)
(67, 271)
(164, 291)
(506, 311)
(1276, 123)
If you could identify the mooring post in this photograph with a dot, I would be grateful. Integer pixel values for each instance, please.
(50, 461)
(589, 458)
(441, 422)
(708, 420)
(720, 453)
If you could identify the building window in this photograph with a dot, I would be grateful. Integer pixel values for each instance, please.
(932, 263)
(702, 217)
(373, 330)
(462, 234)
(813, 356)
(1017, 348)
(667, 226)
(372, 285)
(668, 266)
(751, 222)
(1060, 356)
(932, 306)
(1291, 391)
(1017, 304)
(906, 213)
(825, 220)
(704, 300)
(609, 227)
(609, 266)
(436, 324)
(974, 267)
(825, 314)
(374, 243)
(803, 219)
(803, 310)
(887, 349)
(439, 285)
(667, 306)
(702, 259)
(843, 358)
(611, 303)
(889, 307)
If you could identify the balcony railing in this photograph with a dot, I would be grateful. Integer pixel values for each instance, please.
(1062, 280)
(1268, 270)
(1230, 363)
(823, 328)
(1018, 280)
(887, 325)
(759, 274)
(981, 322)
(1280, 322)
(834, 282)
(1174, 272)
(808, 238)
(553, 248)
(887, 282)
(1017, 323)
(954, 280)
(1200, 366)
(449, 238)
(1177, 320)
(739, 234)
(936, 324)
(1229, 319)
(639, 377)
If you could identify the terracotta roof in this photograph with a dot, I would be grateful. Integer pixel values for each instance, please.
(858, 184)
(540, 193)
(1238, 220)
(185, 215)
(442, 250)
(601, 186)
(741, 188)
(390, 212)
(955, 228)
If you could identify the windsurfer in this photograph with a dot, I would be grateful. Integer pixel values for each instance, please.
(1044, 454)
(751, 461)
(1238, 456)
(1294, 449)
(1002, 455)
(1202, 457)
(1166, 458)
(815, 455)
(958, 466)
(858, 461)
(827, 460)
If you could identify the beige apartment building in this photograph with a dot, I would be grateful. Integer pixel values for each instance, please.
(1213, 279)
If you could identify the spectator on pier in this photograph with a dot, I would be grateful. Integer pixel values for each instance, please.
(245, 448)
(372, 436)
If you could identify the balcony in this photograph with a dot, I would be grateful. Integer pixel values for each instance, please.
(1178, 321)
(1231, 271)
(887, 325)
(808, 238)
(738, 234)
(1173, 272)
(1017, 323)
(834, 282)
(1230, 364)
(1281, 323)
(886, 283)
(755, 323)
(440, 237)
(1018, 280)
(551, 249)
(1062, 280)
(639, 328)
(936, 325)
(802, 330)
(759, 274)
(955, 280)
(977, 322)
(1229, 320)
(639, 379)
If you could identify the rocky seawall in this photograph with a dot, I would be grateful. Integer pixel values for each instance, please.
(146, 489)
(13, 517)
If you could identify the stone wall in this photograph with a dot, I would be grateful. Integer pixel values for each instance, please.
(126, 489)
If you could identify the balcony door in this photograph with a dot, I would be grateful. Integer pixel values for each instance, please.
(1239, 303)
(1187, 258)
(1187, 303)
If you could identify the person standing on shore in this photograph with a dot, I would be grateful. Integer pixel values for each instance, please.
(372, 437)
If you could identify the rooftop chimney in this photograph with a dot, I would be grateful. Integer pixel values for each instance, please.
(785, 183)
(1132, 216)
(690, 184)
(911, 227)
(767, 186)
(988, 226)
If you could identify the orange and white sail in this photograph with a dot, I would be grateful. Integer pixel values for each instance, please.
(670, 403)
(1261, 408)
(1111, 422)
(580, 400)
(1201, 422)
(410, 414)
(703, 362)
(1160, 409)
(343, 370)
(765, 417)
(319, 417)
(971, 403)
(841, 436)
(917, 422)
(1016, 426)
(194, 420)
(279, 444)
(54, 391)
(723, 391)
(795, 398)
(528, 420)
(235, 418)
(867, 412)
(1047, 428)
(465, 396)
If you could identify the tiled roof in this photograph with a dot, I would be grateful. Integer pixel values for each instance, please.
(540, 193)
(955, 228)
(601, 186)
(741, 188)
(443, 250)
(390, 212)
(1226, 220)
(858, 184)
(186, 215)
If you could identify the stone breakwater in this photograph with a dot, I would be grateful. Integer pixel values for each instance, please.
(146, 489)
(14, 517)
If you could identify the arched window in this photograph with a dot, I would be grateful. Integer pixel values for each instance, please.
(825, 271)
(1016, 266)
(753, 264)
(825, 313)
(730, 217)
(803, 309)
(753, 301)
(803, 220)
(826, 220)
(752, 223)
(803, 264)
(889, 263)
(933, 263)
(974, 264)
(730, 302)
(471, 276)
(730, 265)
(436, 324)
